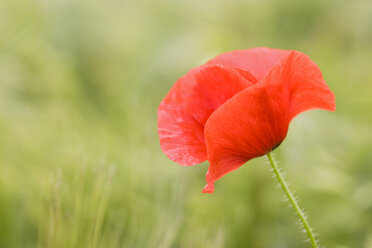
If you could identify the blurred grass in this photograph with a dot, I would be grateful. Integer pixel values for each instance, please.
(80, 82)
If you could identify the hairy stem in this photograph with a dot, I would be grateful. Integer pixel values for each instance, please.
(284, 185)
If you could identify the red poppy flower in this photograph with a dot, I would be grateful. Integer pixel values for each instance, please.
(238, 106)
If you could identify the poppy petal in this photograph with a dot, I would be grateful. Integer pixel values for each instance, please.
(184, 111)
(256, 120)
(258, 61)
(247, 126)
(308, 90)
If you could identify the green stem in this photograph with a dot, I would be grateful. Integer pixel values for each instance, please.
(284, 185)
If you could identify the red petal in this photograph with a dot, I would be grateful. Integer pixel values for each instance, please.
(258, 61)
(308, 90)
(184, 111)
(256, 120)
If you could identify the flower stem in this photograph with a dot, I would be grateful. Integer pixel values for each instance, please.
(284, 185)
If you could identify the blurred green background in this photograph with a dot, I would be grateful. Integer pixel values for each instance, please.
(80, 163)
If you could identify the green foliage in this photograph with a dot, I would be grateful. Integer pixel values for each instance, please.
(80, 82)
